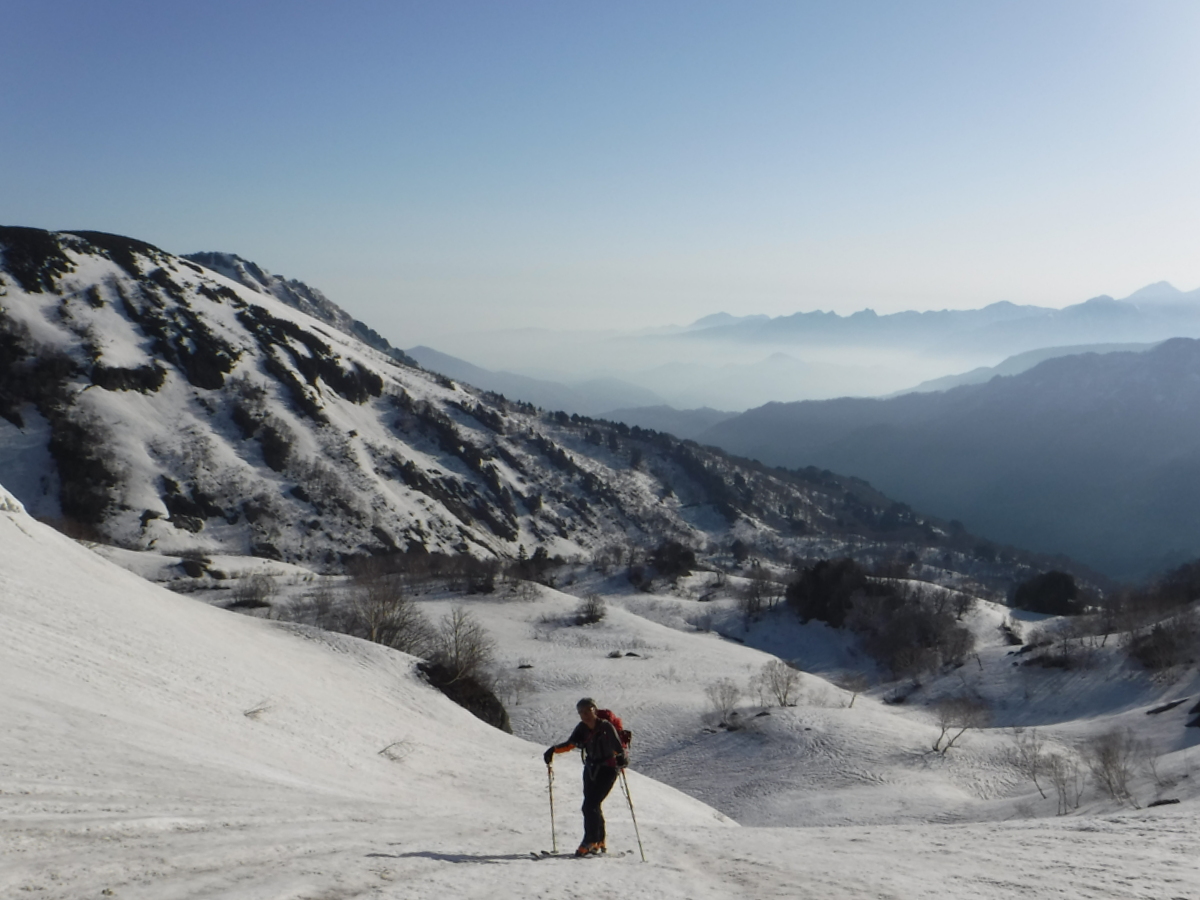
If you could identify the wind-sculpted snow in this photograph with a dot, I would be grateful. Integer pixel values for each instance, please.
(181, 410)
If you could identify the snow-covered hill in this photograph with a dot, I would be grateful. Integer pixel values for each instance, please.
(155, 747)
(157, 403)
(297, 295)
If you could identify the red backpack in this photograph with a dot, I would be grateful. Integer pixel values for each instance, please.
(612, 718)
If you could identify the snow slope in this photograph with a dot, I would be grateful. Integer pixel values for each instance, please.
(156, 747)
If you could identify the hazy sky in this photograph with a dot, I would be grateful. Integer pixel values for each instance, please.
(441, 166)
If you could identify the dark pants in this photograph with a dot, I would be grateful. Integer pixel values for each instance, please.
(597, 783)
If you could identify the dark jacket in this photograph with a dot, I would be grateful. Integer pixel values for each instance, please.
(601, 745)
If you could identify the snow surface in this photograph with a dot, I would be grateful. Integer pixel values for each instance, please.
(157, 747)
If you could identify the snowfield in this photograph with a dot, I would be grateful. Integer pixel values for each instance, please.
(157, 747)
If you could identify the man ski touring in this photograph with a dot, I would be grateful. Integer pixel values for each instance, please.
(603, 758)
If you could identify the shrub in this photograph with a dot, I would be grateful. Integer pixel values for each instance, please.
(671, 559)
(252, 592)
(1052, 593)
(908, 630)
(825, 590)
(462, 647)
(590, 610)
(723, 695)
(469, 692)
(781, 680)
(1170, 642)
(87, 466)
(1110, 759)
(277, 439)
(381, 612)
(760, 593)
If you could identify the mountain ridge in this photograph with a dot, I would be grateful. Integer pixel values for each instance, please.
(154, 402)
(1095, 456)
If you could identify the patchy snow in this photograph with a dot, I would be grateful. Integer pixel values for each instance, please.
(157, 747)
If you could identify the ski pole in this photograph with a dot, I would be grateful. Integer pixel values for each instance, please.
(629, 797)
(553, 831)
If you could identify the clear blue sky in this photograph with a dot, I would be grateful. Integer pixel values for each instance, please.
(447, 165)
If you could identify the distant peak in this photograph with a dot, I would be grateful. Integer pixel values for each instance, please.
(723, 318)
(1160, 290)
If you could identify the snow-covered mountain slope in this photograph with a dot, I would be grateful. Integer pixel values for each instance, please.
(155, 747)
(162, 405)
(297, 295)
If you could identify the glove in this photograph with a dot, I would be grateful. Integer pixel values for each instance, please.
(622, 760)
(548, 755)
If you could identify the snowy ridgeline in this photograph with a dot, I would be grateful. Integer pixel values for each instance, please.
(155, 746)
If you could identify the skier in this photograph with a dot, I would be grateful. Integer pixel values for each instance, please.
(603, 758)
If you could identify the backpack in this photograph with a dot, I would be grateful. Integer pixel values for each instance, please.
(613, 719)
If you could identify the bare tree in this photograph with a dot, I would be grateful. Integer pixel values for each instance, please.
(253, 590)
(724, 695)
(760, 593)
(384, 614)
(855, 683)
(1148, 757)
(462, 645)
(1067, 778)
(781, 680)
(958, 715)
(1027, 756)
(1110, 758)
(524, 590)
(591, 609)
(758, 686)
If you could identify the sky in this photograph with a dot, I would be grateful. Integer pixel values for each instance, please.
(456, 166)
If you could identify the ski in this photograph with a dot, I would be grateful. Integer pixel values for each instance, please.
(550, 854)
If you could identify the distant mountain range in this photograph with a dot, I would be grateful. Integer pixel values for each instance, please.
(1093, 455)
(1156, 312)
(590, 397)
(740, 362)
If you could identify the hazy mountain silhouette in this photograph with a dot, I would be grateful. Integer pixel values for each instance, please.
(1154, 313)
(683, 423)
(1095, 456)
(588, 398)
(1014, 365)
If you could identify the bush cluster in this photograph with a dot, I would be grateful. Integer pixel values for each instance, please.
(908, 629)
(1052, 593)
